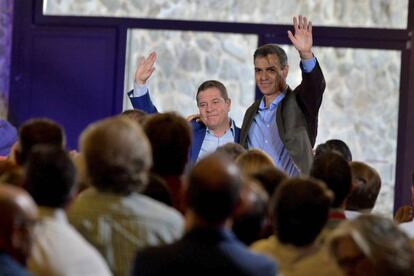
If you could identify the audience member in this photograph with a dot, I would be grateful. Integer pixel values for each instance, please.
(270, 178)
(372, 245)
(300, 211)
(336, 145)
(18, 215)
(58, 249)
(38, 131)
(8, 137)
(11, 173)
(283, 123)
(254, 160)
(365, 190)
(170, 138)
(113, 215)
(136, 115)
(404, 214)
(215, 127)
(335, 171)
(158, 189)
(250, 219)
(209, 247)
(231, 150)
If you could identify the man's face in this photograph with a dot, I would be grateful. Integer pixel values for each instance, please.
(213, 108)
(270, 78)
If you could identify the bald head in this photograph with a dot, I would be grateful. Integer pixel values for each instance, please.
(18, 212)
(214, 188)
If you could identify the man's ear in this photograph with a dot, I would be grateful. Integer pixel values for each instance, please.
(285, 71)
(228, 102)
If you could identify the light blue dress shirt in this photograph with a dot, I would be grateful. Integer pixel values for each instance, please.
(264, 134)
(211, 142)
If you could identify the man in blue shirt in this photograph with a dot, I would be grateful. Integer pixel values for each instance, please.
(214, 128)
(283, 123)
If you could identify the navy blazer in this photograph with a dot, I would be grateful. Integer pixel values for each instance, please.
(144, 103)
(203, 252)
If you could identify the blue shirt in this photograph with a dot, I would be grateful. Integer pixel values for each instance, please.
(211, 142)
(264, 134)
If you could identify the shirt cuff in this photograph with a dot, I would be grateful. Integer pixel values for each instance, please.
(308, 64)
(139, 90)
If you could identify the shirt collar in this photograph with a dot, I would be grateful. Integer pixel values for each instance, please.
(274, 104)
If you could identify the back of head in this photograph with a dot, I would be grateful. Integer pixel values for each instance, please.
(367, 185)
(300, 210)
(50, 176)
(249, 220)
(117, 155)
(272, 49)
(254, 160)
(170, 138)
(335, 171)
(214, 189)
(18, 214)
(158, 189)
(8, 136)
(231, 150)
(336, 145)
(39, 131)
(270, 178)
(136, 115)
(379, 241)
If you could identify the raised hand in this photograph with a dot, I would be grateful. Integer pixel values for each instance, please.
(145, 68)
(302, 39)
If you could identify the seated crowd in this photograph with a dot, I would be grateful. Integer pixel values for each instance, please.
(129, 203)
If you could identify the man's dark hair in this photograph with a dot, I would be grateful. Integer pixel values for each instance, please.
(213, 84)
(272, 49)
(367, 185)
(249, 219)
(336, 145)
(158, 189)
(214, 188)
(270, 178)
(335, 171)
(39, 131)
(117, 155)
(300, 210)
(50, 176)
(170, 138)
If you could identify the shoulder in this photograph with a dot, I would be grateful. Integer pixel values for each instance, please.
(251, 262)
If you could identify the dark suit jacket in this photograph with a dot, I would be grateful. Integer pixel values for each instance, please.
(296, 118)
(199, 129)
(203, 252)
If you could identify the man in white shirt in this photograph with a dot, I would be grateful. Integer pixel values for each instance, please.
(58, 249)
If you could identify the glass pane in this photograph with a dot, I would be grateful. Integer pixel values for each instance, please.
(355, 13)
(360, 107)
(360, 104)
(186, 59)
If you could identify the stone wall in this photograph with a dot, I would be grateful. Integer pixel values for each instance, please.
(6, 20)
(361, 13)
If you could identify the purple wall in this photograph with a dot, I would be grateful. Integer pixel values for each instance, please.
(6, 22)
